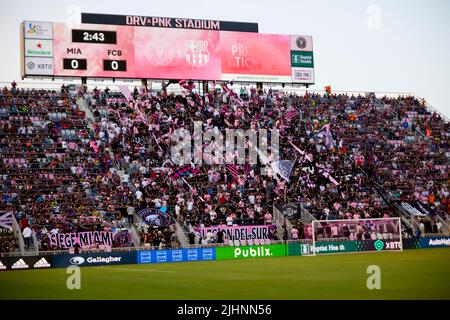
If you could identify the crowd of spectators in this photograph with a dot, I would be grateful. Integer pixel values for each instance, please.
(55, 176)
(59, 173)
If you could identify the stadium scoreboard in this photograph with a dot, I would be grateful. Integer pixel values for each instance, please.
(143, 52)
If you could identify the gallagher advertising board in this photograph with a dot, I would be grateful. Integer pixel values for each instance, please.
(138, 52)
(94, 259)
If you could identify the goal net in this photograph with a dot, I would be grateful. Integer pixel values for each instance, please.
(361, 235)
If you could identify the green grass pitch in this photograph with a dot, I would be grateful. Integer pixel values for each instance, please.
(411, 274)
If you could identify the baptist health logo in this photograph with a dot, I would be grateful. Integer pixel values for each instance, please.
(379, 245)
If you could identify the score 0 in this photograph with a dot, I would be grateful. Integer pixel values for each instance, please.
(114, 65)
(75, 64)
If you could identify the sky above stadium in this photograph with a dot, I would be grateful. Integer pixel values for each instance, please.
(377, 45)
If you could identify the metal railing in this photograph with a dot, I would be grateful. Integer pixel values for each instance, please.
(35, 243)
(181, 235)
(18, 234)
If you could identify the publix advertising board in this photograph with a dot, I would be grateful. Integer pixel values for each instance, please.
(245, 252)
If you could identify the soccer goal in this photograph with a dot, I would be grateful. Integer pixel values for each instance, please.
(356, 235)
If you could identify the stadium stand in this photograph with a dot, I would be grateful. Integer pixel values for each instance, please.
(88, 160)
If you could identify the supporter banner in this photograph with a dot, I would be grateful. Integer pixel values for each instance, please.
(245, 252)
(414, 208)
(122, 238)
(164, 22)
(6, 220)
(259, 232)
(435, 242)
(176, 255)
(68, 240)
(26, 262)
(6, 231)
(94, 259)
(289, 210)
(156, 217)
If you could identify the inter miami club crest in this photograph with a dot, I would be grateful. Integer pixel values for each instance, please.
(156, 217)
(301, 42)
(290, 210)
(122, 238)
(159, 52)
(196, 52)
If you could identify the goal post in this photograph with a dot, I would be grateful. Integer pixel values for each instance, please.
(356, 235)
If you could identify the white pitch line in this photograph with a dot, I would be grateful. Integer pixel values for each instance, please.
(141, 270)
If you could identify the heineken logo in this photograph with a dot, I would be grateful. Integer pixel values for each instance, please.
(38, 48)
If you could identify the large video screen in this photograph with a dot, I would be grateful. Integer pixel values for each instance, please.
(112, 51)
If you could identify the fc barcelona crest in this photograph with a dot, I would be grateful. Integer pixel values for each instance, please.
(196, 52)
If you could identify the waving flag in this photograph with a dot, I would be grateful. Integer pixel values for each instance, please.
(189, 85)
(307, 156)
(232, 168)
(183, 171)
(328, 91)
(225, 88)
(6, 220)
(283, 168)
(125, 91)
(326, 132)
(290, 115)
(156, 217)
